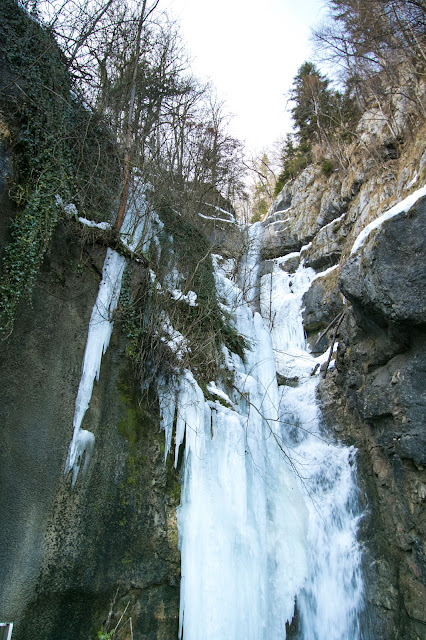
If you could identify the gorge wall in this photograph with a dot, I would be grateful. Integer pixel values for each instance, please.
(69, 558)
(73, 560)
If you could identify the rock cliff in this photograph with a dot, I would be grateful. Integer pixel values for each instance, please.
(71, 558)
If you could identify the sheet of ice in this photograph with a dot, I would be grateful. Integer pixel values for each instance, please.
(91, 223)
(401, 207)
(215, 218)
(140, 226)
(98, 337)
(281, 296)
(213, 389)
(321, 274)
(99, 334)
(268, 508)
(250, 264)
(190, 297)
(173, 338)
(230, 216)
(242, 519)
(71, 210)
(332, 597)
(282, 211)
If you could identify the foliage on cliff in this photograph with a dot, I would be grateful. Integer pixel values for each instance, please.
(89, 119)
(59, 147)
(379, 50)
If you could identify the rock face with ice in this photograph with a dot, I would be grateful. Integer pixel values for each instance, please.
(271, 538)
(98, 337)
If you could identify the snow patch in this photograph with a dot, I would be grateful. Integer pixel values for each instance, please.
(401, 207)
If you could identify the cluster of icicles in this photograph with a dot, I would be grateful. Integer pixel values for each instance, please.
(268, 509)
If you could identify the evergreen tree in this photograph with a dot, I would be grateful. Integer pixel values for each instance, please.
(314, 104)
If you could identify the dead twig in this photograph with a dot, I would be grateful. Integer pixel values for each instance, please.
(332, 323)
(342, 315)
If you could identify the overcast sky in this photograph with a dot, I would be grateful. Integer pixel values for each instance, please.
(250, 50)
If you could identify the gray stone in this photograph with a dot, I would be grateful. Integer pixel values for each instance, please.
(321, 304)
(64, 555)
(387, 275)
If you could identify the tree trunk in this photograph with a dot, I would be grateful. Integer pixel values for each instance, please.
(127, 172)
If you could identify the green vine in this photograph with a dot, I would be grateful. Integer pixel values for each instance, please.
(56, 146)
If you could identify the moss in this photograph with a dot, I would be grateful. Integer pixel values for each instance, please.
(50, 157)
(138, 420)
(204, 326)
(173, 487)
(132, 425)
(140, 426)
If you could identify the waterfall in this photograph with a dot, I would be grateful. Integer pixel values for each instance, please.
(268, 512)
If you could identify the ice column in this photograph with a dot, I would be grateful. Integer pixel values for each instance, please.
(98, 337)
(269, 509)
(332, 597)
(242, 519)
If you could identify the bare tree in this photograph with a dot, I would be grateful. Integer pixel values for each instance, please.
(380, 45)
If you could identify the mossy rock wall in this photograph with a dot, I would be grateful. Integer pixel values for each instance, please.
(68, 557)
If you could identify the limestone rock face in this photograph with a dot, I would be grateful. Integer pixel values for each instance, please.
(321, 304)
(387, 275)
(300, 211)
(380, 374)
(326, 247)
(69, 556)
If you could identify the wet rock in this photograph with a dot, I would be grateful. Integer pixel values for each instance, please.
(321, 304)
(291, 264)
(327, 246)
(286, 381)
(66, 554)
(278, 240)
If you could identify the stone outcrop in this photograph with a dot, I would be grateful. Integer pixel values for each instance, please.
(69, 558)
(381, 367)
(387, 276)
(321, 304)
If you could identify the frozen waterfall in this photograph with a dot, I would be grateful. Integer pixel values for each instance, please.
(137, 230)
(268, 512)
(98, 337)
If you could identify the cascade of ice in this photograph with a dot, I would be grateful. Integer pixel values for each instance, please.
(268, 509)
(248, 277)
(98, 337)
(242, 520)
(137, 231)
(332, 597)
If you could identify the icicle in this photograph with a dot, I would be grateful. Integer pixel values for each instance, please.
(167, 403)
(98, 337)
(138, 230)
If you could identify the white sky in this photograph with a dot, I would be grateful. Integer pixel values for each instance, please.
(251, 51)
